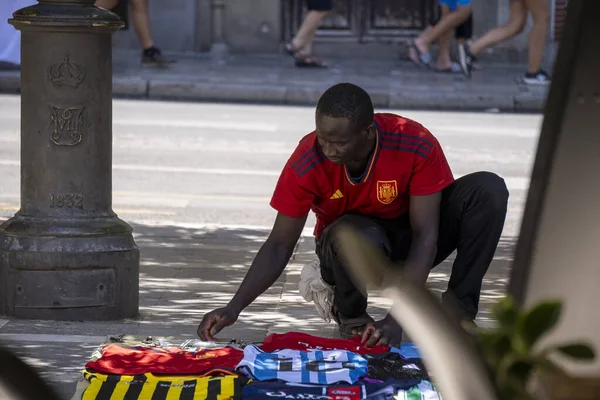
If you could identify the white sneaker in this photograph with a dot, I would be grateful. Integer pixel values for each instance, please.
(538, 78)
(466, 59)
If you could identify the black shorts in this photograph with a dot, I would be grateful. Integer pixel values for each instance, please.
(319, 5)
(463, 31)
(122, 10)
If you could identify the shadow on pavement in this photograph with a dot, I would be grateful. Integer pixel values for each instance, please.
(186, 272)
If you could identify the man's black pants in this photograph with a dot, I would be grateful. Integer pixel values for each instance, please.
(472, 214)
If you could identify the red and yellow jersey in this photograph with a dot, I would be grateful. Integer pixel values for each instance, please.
(116, 359)
(407, 161)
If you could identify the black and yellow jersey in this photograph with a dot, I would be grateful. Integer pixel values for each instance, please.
(159, 387)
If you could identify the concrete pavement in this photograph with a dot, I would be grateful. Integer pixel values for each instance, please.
(194, 181)
(273, 79)
(187, 272)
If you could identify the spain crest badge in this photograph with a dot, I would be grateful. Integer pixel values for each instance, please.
(387, 191)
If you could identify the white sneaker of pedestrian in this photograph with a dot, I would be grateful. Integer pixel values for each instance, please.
(538, 78)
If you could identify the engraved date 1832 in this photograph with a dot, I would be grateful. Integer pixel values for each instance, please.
(66, 200)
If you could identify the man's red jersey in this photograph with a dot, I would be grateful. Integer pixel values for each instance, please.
(407, 161)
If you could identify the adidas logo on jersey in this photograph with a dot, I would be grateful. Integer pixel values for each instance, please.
(336, 195)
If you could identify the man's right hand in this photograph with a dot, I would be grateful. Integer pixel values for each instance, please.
(269, 263)
(215, 321)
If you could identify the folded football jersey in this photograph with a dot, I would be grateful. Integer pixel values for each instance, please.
(423, 391)
(282, 390)
(407, 350)
(303, 341)
(359, 391)
(120, 360)
(161, 387)
(320, 367)
(394, 366)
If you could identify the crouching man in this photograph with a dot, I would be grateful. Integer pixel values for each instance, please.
(387, 176)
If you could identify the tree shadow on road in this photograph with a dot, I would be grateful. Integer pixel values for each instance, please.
(187, 272)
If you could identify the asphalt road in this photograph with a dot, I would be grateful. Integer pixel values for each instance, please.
(192, 163)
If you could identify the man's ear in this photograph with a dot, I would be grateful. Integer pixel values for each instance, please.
(371, 131)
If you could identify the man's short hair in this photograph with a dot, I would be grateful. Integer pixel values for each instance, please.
(346, 100)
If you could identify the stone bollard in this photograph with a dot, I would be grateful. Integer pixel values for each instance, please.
(65, 255)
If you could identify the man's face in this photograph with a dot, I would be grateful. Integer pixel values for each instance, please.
(341, 142)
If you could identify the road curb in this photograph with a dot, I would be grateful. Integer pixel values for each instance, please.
(210, 91)
(527, 102)
(130, 87)
(10, 82)
(309, 95)
(163, 89)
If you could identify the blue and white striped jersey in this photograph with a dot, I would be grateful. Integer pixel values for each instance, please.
(321, 367)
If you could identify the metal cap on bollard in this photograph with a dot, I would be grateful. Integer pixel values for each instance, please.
(65, 255)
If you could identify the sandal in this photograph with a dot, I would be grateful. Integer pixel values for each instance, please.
(454, 69)
(309, 62)
(415, 55)
(348, 325)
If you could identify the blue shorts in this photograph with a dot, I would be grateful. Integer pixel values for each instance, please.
(452, 4)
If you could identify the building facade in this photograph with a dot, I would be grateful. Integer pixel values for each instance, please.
(366, 27)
